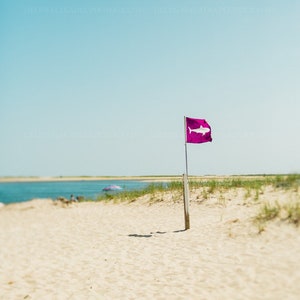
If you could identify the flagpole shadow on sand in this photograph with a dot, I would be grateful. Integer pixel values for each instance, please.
(151, 234)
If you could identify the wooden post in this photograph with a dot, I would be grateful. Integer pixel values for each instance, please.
(186, 202)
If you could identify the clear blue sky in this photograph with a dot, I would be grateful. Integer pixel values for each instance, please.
(101, 87)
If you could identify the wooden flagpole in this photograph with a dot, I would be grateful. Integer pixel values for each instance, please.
(186, 185)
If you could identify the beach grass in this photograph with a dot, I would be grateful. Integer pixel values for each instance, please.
(285, 212)
(252, 185)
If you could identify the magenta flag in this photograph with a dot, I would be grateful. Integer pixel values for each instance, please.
(197, 131)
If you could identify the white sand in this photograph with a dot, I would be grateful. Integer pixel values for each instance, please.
(139, 251)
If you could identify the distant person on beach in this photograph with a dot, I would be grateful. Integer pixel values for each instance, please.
(78, 198)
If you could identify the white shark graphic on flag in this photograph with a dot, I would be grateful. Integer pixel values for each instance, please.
(201, 129)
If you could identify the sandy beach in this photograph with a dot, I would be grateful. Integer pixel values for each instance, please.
(140, 251)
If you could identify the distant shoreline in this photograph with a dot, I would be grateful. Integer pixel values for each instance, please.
(87, 178)
(150, 178)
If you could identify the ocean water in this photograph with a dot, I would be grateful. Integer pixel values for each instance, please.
(13, 192)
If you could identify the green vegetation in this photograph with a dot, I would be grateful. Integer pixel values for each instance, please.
(249, 182)
(293, 212)
(251, 186)
(289, 212)
(268, 212)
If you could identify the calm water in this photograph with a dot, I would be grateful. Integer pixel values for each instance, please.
(11, 192)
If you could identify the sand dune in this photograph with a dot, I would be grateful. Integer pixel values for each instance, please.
(140, 251)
